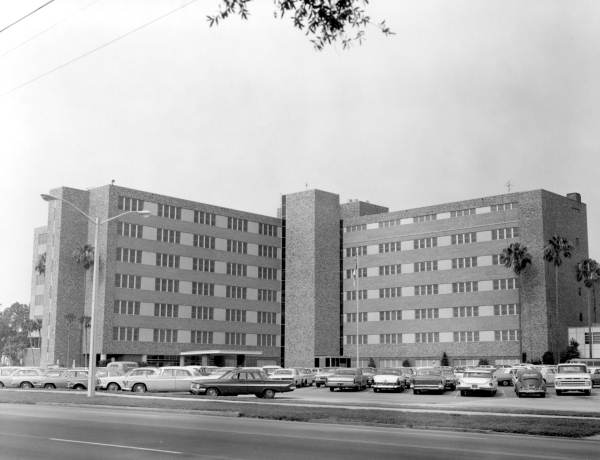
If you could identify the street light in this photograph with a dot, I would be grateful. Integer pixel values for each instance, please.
(97, 222)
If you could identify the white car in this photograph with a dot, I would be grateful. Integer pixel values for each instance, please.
(171, 378)
(287, 374)
(572, 377)
(21, 378)
(115, 382)
(478, 381)
(389, 380)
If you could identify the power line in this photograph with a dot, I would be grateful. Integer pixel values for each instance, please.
(98, 48)
(27, 15)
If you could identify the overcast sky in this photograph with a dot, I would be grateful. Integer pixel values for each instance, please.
(465, 97)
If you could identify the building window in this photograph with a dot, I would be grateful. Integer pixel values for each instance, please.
(131, 256)
(267, 251)
(43, 238)
(505, 233)
(241, 247)
(266, 340)
(351, 339)
(199, 288)
(127, 307)
(462, 212)
(235, 338)
(235, 269)
(497, 259)
(465, 286)
(464, 262)
(39, 299)
(426, 289)
(166, 310)
(356, 228)
(595, 338)
(387, 270)
(503, 207)
(129, 230)
(169, 211)
(506, 309)
(427, 313)
(128, 281)
(393, 246)
(165, 335)
(266, 317)
(167, 260)
(362, 273)
(204, 313)
(267, 229)
(267, 295)
(351, 317)
(267, 273)
(204, 218)
(168, 236)
(386, 293)
(126, 334)
(235, 223)
(166, 285)
(509, 335)
(427, 337)
(424, 218)
(390, 223)
(465, 312)
(463, 238)
(130, 204)
(356, 251)
(201, 337)
(390, 339)
(466, 336)
(423, 243)
(203, 265)
(235, 315)
(428, 266)
(390, 315)
(235, 292)
(204, 241)
(351, 295)
(508, 283)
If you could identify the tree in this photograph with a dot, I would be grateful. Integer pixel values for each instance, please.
(84, 255)
(84, 321)
(516, 258)
(70, 319)
(557, 249)
(548, 357)
(588, 271)
(372, 363)
(444, 361)
(325, 21)
(14, 322)
(40, 266)
(571, 352)
(406, 363)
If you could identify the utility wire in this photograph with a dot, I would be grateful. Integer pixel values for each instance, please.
(46, 30)
(27, 15)
(98, 48)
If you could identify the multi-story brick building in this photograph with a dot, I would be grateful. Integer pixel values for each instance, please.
(199, 283)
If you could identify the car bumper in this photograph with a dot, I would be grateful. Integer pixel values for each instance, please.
(342, 385)
(475, 388)
(418, 386)
(387, 386)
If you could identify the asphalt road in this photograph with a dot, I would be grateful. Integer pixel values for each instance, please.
(77, 432)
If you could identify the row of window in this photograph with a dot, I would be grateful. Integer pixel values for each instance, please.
(130, 204)
(434, 313)
(132, 334)
(508, 335)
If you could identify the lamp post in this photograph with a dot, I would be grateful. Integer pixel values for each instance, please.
(97, 222)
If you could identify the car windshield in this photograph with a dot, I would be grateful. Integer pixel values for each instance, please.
(574, 369)
(477, 375)
(345, 372)
(429, 371)
(283, 372)
(530, 380)
(389, 372)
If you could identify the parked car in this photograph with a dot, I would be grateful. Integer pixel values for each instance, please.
(548, 373)
(7, 370)
(76, 379)
(269, 369)
(170, 378)
(451, 379)
(530, 381)
(322, 374)
(120, 367)
(21, 378)
(370, 373)
(504, 377)
(595, 374)
(390, 380)
(572, 377)
(116, 382)
(478, 381)
(458, 372)
(287, 374)
(241, 382)
(348, 377)
(429, 379)
(308, 377)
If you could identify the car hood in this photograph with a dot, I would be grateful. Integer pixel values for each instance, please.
(570, 375)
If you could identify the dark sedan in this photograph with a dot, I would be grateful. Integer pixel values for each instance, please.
(241, 382)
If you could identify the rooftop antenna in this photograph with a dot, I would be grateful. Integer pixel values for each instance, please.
(508, 186)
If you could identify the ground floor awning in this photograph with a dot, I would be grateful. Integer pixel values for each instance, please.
(221, 352)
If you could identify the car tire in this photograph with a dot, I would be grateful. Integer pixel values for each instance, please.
(212, 392)
(79, 387)
(331, 389)
(268, 393)
(112, 386)
(463, 393)
(318, 385)
(453, 388)
(49, 386)
(505, 383)
(416, 392)
(493, 393)
(139, 388)
(26, 385)
(559, 392)
(542, 395)
(1, 385)
(587, 392)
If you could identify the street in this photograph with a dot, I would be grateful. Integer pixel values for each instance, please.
(75, 432)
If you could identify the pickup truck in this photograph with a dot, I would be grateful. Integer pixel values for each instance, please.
(572, 377)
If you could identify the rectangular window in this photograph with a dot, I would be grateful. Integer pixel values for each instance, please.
(203, 313)
(503, 207)
(205, 289)
(127, 307)
(351, 317)
(166, 285)
(390, 339)
(427, 289)
(463, 238)
(167, 260)
(267, 317)
(266, 340)
(165, 335)
(129, 230)
(387, 270)
(390, 223)
(464, 262)
(235, 292)
(362, 273)
(131, 256)
(351, 295)
(169, 211)
(465, 312)
(201, 337)
(128, 281)
(390, 315)
(235, 269)
(425, 218)
(465, 286)
(267, 273)
(423, 243)
(505, 309)
(166, 310)
(427, 313)
(351, 339)
(235, 223)
(267, 251)
(235, 338)
(204, 241)
(356, 251)
(204, 218)
(505, 233)
(203, 265)
(502, 284)
(507, 335)
(428, 266)
(393, 246)
(356, 228)
(427, 337)
(466, 336)
(386, 293)
(235, 315)
(267, 295)
(267, 229)
(168, 236)
(462, 212)
(497, 259)
(126, 334)
(130, 204)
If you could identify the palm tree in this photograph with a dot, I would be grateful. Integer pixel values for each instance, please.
(70, 319)
(557, 248)
(84, 255)
(85, 325)
(40, 267)
(588, 271)
(516, 258)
